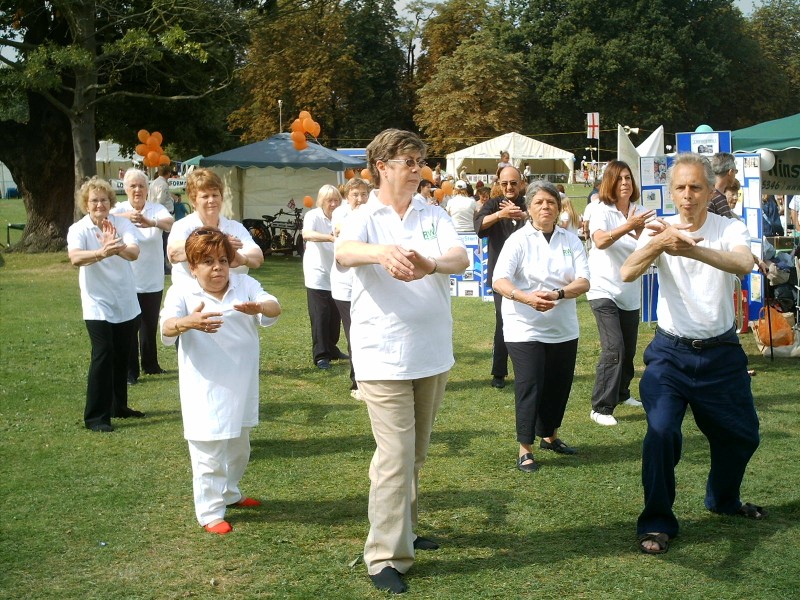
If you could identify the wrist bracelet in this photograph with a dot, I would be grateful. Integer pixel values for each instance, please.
(511, 295)
(560, 294)
(435, 265)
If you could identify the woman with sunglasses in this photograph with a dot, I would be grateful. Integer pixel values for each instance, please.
(102, 246)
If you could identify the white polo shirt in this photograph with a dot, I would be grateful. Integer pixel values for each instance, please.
(341, 278)
(318, 256)
(108, 289)
(605, 264)
(531, 264)
(148, 269)
(400, 330)
(217, 372)
(694, 299)
(183, 227)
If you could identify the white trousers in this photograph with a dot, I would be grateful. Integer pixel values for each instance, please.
(401, 414)
(217, 468)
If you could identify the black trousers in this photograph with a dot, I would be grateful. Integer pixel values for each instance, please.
(143, 342)
(499, 350)
(107, 383)
(344, 314)
(619, 330)
(325, 324)
(543, 376)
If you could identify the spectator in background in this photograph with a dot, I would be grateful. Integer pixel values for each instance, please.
(724, 166)
(159, 194)
(461, 208)
(569, 218)
(770, 216)
(483, 194)
(149, 220)
(505, 161)
(731, 192)
(103, 246)
(181, 209)
(424, 192)
(317, 262)
(526, 173)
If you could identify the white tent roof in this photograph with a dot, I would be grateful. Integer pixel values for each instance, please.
(522, 150)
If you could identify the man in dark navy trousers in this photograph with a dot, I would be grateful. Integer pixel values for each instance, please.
(695, 358)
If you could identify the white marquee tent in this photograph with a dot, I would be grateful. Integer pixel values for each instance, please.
(542, 158)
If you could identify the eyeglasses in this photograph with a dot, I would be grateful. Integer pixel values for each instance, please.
(509, 183)
(100, 201)
(409, 162)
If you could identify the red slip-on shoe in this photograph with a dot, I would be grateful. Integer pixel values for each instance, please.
(246, 502)
(220, 528)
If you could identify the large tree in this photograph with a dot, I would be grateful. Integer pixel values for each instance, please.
(85, 58)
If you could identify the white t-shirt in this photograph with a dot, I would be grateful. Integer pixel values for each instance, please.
(148, 269)
(341, 278)
(462, 210)
(182, 228)
(531, 264)
(694, 299)
(217, 373)
(400, 330)
(108, 289)
(605, 264)
(587, 212)
(159, 194)
(318, 256)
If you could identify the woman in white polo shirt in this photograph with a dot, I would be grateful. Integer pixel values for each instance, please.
(401, 251)
(541, 269)
(103, 246)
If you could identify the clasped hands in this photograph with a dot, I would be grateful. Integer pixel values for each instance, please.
(671, 238)
(110, 244)
(509, 210)
(404, 264)
(210, 322)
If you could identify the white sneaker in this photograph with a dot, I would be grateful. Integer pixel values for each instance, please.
(607, 420)
(632, 402)
(355, 394)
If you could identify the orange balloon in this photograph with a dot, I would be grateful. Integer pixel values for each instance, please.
(155, 148)
(365, 174)
(297, 125)
(143, 135)
(152, 157)
(308, 202)
(315, 129)
(300, 145)
(159, 137)
(298, 137)
(152, 140)
(308, 125)
(349, 173)
(163, 160)
(438, 194)
(304, 114)
(426, 173)
(142, 150)
(447, 187)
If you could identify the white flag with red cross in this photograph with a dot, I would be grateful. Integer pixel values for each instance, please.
(593, 125)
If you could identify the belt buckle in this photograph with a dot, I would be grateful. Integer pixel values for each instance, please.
(697, 344)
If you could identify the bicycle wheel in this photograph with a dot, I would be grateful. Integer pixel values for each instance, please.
(258, 232)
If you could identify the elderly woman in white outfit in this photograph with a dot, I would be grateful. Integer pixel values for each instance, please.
(401, 251)
(614, 228)
(103, 246)
(217, 314)
(205, 191)
(150, 220)
(541, 270)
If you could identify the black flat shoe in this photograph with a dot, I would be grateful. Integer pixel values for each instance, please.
(136, 414)
(102, 428)
(421, 543)
(557, 446)
(498, 382)
(531, 467)
(323, 364)
(158, 372)
(389, 580)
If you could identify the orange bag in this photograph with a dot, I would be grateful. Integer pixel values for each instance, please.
(782, 333)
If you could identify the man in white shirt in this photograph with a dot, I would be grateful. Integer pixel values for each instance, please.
(695, 359)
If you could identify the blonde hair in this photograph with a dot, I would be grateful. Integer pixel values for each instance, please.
(574, 218)
(90, 185)
(203, 179)
(325, 192)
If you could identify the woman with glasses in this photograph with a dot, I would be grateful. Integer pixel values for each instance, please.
(206, 191)
(541, 270)
(401, 251)
(150, 220)
(102, 246)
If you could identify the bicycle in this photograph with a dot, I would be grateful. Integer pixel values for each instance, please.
(273, 234)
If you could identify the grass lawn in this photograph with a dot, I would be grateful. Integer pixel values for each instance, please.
(89, 515)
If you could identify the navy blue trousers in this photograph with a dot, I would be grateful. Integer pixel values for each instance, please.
(715, 383)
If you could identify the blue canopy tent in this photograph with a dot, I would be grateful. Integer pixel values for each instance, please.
(267, 175)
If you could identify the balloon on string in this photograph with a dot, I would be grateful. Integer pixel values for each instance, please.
(426, 173)
(438, 194)
(298, 137)
(143, 135)
(315, 129)
(349, 174)
(164, 159)
(767, 159)
(308, 125)
(142, 150)
(308, 202)
(304, 114)
(152, 158)
(300, 145)
(365, 175)
(447, 187)
(297, 125)
(159, 138)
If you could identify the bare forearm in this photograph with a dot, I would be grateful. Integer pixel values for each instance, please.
(358, 254)
(738, 261)
(454, 261)
(638, 262)
(309, 235)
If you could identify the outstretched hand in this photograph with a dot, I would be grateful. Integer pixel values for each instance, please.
(639, 221)
(207, 322)
(248, 308)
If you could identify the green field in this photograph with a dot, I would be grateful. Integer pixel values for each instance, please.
(101, 516)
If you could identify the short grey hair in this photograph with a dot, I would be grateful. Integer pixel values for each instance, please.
(543, 186)
(722, 162)
(133, 174)
(691, 158)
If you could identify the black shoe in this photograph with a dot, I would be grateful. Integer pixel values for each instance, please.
(557, 446)
(498, 382)
(102, 428)
(132, 380)
(129, 412)
(389, 580)
(421, 543)
(339, 355)
(159, 371)
(530, 467)
(323, 364)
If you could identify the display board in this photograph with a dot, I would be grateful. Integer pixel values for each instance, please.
(473, 283)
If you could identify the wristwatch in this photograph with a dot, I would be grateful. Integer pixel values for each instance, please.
(560, 294)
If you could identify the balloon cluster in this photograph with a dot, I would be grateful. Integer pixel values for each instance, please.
(150, 148)
(302, 125)
(445, 190)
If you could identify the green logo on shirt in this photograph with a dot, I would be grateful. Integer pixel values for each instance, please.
(430, 234)
(567, 251)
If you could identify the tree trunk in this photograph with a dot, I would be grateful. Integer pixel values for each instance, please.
(39, 155)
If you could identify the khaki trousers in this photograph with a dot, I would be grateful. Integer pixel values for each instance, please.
(401, 414)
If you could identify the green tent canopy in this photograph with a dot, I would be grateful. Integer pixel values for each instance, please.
(776, 135)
